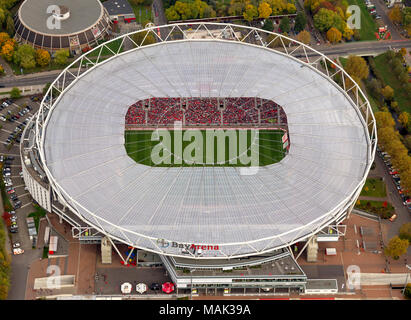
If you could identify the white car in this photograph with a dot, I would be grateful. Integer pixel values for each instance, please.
(3, 119)
(16, 245)
(18, 251)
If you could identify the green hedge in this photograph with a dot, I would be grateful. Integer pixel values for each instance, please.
(4, 257)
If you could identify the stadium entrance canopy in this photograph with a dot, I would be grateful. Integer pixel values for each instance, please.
(219, 211)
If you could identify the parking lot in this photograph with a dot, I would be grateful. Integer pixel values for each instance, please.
(13, 120)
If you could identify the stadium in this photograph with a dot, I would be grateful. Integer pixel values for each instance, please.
(313, 119)
(64, 24)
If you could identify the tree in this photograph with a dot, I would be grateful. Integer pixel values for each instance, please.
(24, 56)
(375, 87)
(395, 14)
(347, 33)
(172, 14)
(237, 7)
(278, 6)
(405, 231)
(403, 78)
(357, 67)
(264, 10)
(334, 35)
(15, 93)
(323, 19)
(407, 291)
(291, 8)
(396, 247)
(304, 37)
(387, 92)
(250, 12)
(10, 25)
(394, 106)
(42, 57)
(285, 25)
(183, 9)
(384, 119)
(143, 38)
(390, 55)
(1, 70)
(2, 16)
(403, 51)
(7, 50)
(404, 118)
(406, 178)
(357, 35)
(3, 37)
(61, 56)
(268, 25)
(300, 21)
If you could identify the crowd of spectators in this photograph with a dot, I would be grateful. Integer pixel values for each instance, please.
(205, 111)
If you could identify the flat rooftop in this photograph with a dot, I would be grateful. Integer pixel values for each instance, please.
(118, 7)
(83, 14)
(321, 284)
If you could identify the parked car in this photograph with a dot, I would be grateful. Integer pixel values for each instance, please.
(18, 251)
(16, 245)
(393, 217)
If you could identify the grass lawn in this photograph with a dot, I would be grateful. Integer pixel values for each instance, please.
(374, 187)
(373, 103)
(45, 252)
(142, 13)
(139, 146)
(376, 207)
(400, 95)
(114, 46)
(343, 61)
(6, 200)
(368, 24)
(17, 70)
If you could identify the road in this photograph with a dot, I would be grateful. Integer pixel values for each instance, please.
(403, 216)
(382, 10)
(358, 48)
(20, 263)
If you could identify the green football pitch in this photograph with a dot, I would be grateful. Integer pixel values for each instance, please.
(145, 146)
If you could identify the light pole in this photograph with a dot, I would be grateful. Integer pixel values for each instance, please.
(191, 285)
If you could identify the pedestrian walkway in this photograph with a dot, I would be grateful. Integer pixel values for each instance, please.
(7, 69)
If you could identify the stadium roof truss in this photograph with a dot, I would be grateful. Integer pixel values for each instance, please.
(291, 49)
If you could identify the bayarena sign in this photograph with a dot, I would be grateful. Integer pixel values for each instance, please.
(186, 246)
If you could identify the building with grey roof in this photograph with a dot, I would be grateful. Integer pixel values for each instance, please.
(119, 10)
(75, 25)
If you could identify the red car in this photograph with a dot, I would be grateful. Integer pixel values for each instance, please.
(393, 172)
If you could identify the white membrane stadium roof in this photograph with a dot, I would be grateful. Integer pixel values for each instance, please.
(85, 153)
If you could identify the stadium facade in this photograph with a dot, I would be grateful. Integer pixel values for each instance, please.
(74, 25)
(76, 166)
